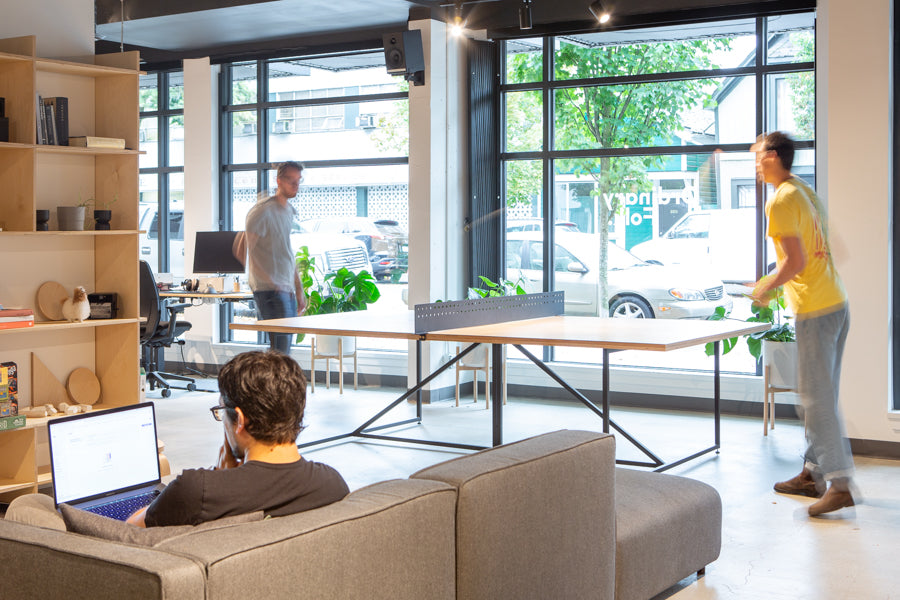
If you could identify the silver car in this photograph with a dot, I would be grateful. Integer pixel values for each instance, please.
(636, 289)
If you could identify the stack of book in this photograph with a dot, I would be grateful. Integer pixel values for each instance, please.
(13, 318)
(52, 120)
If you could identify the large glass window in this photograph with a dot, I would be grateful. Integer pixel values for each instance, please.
(347, 121)
(654, 197)
(162, 172)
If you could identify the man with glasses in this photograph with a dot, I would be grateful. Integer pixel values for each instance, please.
(798, 227)
(266, 250)
(263, 396)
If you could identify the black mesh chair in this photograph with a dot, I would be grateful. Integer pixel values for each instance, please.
(157, 333)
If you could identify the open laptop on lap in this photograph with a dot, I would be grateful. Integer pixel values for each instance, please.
(106, 462)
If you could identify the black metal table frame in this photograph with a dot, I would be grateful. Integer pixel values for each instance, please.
(366, 430)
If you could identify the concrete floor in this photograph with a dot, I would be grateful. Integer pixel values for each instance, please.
(771, 548)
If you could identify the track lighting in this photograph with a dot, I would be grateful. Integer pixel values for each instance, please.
(459, 23)
(600, 12)
(525, 15)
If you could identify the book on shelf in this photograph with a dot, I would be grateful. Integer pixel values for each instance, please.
(94, 141)
(12, 422)
(60, 107)
(17, 319)
(49, 123)
(16, 312)
(17, 324)
(39, 119)
(9, 389)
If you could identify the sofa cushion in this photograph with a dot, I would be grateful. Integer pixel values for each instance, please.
(35, 509)
(535, 518)
(667, 528)
(393, 539)
(87, 523)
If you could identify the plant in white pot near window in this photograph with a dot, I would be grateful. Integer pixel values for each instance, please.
(343, 291)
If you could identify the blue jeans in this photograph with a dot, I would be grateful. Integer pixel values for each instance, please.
(277, 305)
(820, 346)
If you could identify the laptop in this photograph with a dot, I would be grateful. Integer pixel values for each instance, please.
(106, 462)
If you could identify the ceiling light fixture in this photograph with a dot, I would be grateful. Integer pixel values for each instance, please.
(600, 12)
(525, 15)
(459, 23)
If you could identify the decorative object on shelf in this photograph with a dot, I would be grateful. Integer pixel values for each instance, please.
(9, 388)
(70, 218)
(83, 386)
(103, 305)
(41, 217)
(77, 308)
(46, 389)
(102, 212)
(50, 297)
(94, 141)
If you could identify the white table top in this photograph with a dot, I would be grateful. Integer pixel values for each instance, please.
(587, 332)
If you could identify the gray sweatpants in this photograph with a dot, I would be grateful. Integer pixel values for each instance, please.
(820, 346)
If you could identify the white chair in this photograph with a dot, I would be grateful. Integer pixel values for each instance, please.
(477, 360)
(769, 402)
(331, 347)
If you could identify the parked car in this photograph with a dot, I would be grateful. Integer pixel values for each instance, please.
(722, 242)
(534, 224)
(636, 289)
(386, 241)
(331, 251)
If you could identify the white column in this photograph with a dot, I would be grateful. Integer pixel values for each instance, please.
(437, 125)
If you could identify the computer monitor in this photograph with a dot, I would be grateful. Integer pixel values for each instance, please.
(213, 253)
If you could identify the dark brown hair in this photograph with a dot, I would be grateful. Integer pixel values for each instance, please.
(270, 389)
(782, 145)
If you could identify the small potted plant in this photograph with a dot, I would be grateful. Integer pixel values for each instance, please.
(775, 346)
(71, 218)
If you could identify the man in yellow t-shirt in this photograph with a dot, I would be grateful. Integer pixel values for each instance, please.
(797, 225)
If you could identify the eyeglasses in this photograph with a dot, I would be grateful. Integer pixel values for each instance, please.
(218, 412)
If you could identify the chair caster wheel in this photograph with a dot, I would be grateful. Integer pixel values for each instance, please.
(192, 387)
(166, 392)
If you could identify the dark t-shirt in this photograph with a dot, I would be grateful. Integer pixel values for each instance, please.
(200, 495)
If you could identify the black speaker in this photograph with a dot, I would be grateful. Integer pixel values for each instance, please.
(403, 52)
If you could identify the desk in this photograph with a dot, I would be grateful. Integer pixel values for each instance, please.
(585, 332)
(221, 296)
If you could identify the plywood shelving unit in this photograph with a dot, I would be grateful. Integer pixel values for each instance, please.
(103, 101)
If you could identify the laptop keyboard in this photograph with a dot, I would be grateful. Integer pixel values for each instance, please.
(124, 508)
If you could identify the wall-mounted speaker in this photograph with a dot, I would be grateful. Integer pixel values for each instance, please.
(403, 52)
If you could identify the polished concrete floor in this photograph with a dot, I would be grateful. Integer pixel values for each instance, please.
(771, 549)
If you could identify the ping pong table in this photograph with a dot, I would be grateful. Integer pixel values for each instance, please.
(609, 335)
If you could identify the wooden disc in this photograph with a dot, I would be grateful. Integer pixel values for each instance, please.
(83, 386)
(50, 297)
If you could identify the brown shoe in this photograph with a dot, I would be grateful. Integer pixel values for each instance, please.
(832, 500)
(804, 484)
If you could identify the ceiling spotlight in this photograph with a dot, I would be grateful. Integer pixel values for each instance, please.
(525, 15)
(459, 23)
(600, 12)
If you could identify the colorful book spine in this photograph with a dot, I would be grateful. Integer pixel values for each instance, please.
(16, 312)
(17, 324)
(12, 422)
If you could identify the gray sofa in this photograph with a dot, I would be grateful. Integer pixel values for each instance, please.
(547, 517)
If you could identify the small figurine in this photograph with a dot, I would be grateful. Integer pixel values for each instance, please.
(77, 308)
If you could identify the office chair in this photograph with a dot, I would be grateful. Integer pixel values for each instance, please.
(157, 333)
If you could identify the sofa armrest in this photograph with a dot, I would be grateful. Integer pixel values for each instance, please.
(49, 564)
(535, 518)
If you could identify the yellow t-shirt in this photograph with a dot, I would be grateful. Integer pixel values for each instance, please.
(795, 211)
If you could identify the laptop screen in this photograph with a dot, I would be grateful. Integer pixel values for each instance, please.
(104, 452)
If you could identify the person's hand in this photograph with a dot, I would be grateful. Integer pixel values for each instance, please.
(227, 459)
(762, 292)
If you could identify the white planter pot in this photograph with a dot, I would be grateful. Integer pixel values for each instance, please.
(781, 357)
(327, 345)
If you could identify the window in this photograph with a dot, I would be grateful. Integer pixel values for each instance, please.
(648, 152)
(161, 182)
(346, 120)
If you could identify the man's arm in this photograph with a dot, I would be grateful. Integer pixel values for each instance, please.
(239, 249)
(298, 290)
(794, 262)
(138, 517)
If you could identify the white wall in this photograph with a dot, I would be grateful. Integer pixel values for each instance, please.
(64, 28)
(854, 165)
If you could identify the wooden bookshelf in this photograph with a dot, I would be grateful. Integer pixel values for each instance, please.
(102, 94)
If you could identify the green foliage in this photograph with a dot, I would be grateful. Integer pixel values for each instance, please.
(504, 287)
(803, 87)
(344, 291)
(779, 332)
(391, 134)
